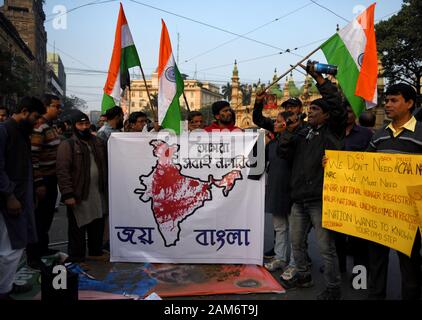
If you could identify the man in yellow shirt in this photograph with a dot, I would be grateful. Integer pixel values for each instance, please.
(402, 135)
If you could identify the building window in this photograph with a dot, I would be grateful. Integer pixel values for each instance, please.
(191, 94)
(18, 9)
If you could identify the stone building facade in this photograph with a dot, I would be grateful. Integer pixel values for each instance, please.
(198, 94)
(11, 43)
(56, 75)
(306, 93)
(28, 17)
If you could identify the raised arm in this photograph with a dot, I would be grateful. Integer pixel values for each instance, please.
(258, 118)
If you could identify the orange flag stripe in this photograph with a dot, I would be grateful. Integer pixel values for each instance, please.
(367, 80)
(165, 49)
(114, 69)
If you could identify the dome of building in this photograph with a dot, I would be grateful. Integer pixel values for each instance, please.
(293, 90)
(276, 91)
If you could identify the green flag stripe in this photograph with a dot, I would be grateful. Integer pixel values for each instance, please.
(107, 103)
(180, 85)
(129, 58)
(173, 116)
(347, 74)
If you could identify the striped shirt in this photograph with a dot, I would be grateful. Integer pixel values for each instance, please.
(44, 144)
(406, 139)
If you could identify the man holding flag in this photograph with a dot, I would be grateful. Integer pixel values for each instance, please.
(353, 50)
(304, 149)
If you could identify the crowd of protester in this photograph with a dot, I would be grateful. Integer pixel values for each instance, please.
(45, 159)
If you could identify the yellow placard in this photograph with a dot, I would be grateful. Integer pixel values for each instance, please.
(415, 192)
(365, 195)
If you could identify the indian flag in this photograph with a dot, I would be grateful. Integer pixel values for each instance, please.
(353, 49)
(124, 57)
(170, 85)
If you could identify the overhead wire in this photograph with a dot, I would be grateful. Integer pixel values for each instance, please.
(328, 9)
(387, 15)
(214, 27)
(249, 32)
(78, 71)
(206, 24)
(68, 55)
(265, 56)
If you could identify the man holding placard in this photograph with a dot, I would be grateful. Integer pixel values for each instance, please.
(402, 135)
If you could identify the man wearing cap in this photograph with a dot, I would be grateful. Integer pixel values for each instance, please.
(223, 116)
(82, 178)
(295, 105)
(305, 149)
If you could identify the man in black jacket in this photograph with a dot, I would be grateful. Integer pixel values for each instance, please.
(305, 149)
(277, 198)
(17, 224)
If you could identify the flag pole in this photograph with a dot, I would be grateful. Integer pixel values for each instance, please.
(291, 68)
(186, 101)
(154, 114)
(129, 93)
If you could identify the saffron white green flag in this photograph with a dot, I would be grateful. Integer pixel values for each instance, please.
(353, 49)
(170, 85)
(124, 57)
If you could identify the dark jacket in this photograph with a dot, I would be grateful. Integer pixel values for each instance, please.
(305, 148)
(16, 178)
(73, 167)
(358, 139)
(277, 189)
(277, 197)
(259, 119)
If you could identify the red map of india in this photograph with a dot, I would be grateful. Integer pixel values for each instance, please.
(175, 196)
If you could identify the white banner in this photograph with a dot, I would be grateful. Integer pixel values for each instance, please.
(186, 199)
